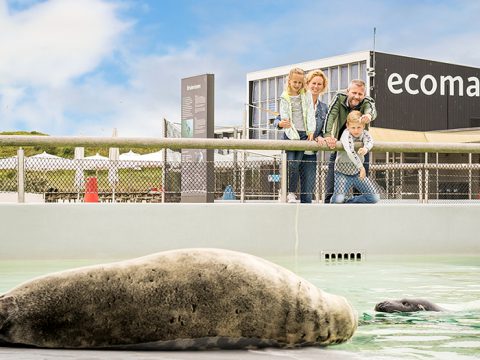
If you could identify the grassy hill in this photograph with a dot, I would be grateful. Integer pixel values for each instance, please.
(63, 151)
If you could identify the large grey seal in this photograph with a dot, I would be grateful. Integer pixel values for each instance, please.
(192, 298)
(407, 305)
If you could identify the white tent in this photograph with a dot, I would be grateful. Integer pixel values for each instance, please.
(8, 163)
(95, 162)
(130, 160)
(129, 156)
(45, 162)
(172, 156)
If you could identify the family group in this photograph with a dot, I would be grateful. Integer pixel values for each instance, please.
(303, 116)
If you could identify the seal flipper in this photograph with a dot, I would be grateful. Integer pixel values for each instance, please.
(6, 305)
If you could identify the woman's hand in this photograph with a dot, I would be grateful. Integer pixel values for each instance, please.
(285, 123)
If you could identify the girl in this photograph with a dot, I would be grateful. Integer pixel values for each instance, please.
(298, 120)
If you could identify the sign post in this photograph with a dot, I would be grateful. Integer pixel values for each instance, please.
(198, 122)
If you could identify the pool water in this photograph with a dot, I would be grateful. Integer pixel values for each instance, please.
(452, 282)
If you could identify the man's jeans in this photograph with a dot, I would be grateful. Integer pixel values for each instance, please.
(343, 184)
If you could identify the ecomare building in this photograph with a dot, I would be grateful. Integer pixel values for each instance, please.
(416, 99)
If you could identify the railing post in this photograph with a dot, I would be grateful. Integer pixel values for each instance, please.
(283, 178)
(426, 196)
(242, 176)
(470, 176)
(21, 175)
(420, 185)
(387, 175)
(317, 176)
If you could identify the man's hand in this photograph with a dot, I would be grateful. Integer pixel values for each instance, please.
(331, 142)
(285, 123)
(363, 173)
(362, 151)
(310, 137)
(321, 141)
(366, 118)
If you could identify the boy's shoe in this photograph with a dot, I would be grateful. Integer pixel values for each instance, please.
(291, 198)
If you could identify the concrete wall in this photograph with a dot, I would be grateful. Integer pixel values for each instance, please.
(34, 231)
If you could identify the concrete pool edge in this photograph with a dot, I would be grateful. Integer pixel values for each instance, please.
(38, 231)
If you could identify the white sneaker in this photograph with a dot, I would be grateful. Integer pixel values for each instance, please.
(291, 198)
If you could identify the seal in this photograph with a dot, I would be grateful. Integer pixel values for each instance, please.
(407, 305)
(180, 299)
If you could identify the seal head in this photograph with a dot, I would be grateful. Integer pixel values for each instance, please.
(406, 305)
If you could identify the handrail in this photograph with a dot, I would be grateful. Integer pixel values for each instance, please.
(239, 144)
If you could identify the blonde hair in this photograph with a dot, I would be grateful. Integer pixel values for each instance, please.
(320, 73)
(295, 71)
(354, 117)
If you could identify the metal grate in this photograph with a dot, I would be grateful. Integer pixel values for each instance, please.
(342, 255)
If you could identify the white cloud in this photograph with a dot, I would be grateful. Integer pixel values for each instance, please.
(55, 41)
(138, 109)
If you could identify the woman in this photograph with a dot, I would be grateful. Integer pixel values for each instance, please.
(316, 83)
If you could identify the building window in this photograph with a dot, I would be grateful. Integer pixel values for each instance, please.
(255, 95)
(334, 79)
(343, 77)
(354, 71)
(363, 71)
(271, 88)
(280, 82)
(263, 89)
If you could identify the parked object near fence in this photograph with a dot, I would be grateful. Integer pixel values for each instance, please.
(228, 193)
(91, 190)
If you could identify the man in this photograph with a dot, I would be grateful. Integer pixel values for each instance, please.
(341, 105)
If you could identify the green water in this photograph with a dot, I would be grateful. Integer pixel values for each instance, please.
(449, 281)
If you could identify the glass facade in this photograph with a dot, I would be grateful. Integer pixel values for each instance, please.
(265, 96)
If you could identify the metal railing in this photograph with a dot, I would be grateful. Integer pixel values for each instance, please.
(241, 179)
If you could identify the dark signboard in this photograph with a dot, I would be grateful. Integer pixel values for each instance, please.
(424, 95)
(197, 122)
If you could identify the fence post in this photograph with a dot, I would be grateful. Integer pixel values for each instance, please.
(470, 176)
(387, 175)
(242, 177)
(420, 185)
(283, 178)
(317, 176)
(21, 175)
(426, 195)
(164, 160)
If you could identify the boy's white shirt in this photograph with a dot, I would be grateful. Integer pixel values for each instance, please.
(348, 143)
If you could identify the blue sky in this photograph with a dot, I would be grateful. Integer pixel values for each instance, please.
(84, 67)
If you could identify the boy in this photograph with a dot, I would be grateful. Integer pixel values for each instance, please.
(349, 170)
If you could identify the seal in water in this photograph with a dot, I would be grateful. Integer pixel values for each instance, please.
(407, 305)
(181, 299)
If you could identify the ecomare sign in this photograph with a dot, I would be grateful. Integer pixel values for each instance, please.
(428, 84)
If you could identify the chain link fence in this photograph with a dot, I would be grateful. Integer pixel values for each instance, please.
(66, 180)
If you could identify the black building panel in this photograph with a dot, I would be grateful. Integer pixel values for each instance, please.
(414, 94)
